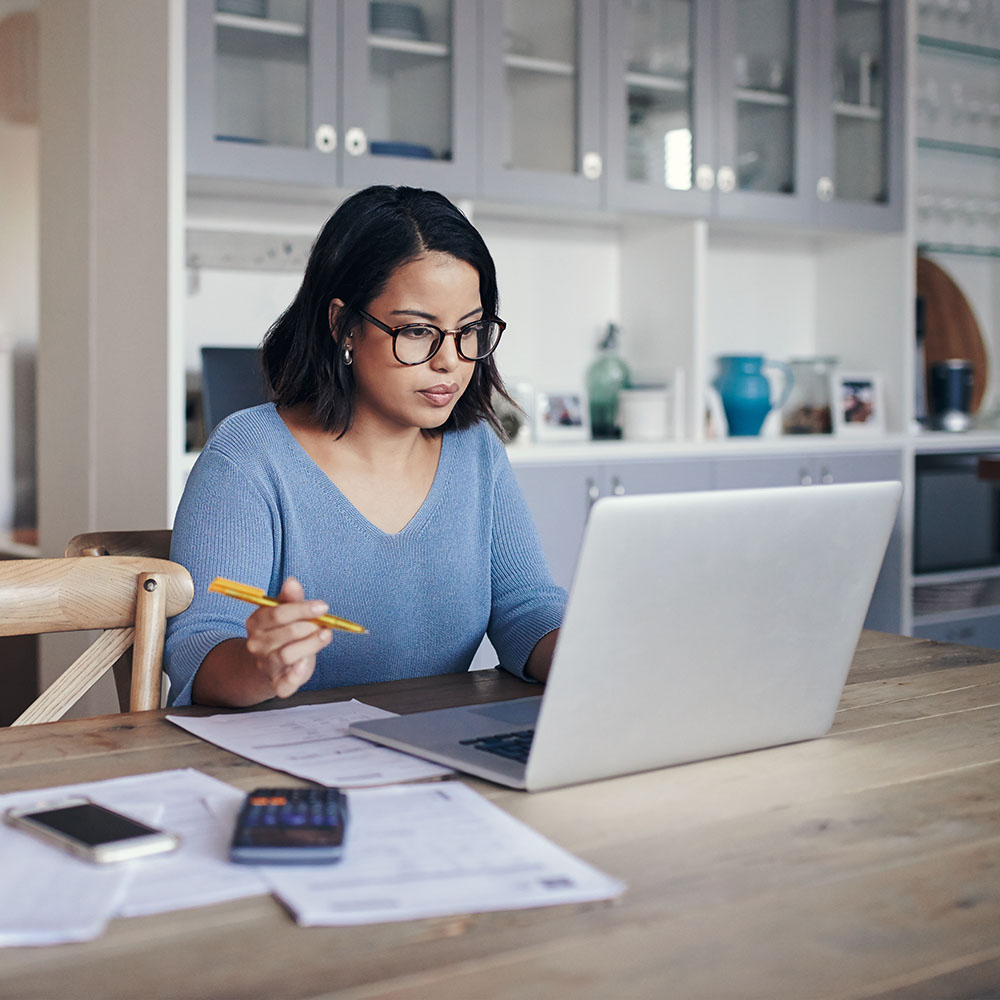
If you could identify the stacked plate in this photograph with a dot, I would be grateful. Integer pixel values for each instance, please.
(397, 20)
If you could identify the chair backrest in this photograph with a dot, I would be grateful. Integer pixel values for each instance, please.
(129, 597)
(155, 544)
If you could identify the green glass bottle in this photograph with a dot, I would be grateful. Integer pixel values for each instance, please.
(606, 375)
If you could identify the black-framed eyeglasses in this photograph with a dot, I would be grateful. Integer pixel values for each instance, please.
(415, 343)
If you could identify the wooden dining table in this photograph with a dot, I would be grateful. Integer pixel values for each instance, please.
(862, 864)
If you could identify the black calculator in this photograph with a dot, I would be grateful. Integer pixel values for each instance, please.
(290, 826)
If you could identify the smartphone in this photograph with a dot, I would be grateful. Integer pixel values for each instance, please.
(91, 831)
(290, 826)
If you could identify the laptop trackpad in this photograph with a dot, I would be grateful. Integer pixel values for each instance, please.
(522, 711)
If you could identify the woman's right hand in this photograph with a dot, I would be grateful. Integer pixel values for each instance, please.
(283, 641)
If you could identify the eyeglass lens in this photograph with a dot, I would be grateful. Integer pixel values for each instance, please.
(415, 344)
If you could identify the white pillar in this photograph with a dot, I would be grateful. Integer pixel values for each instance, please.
(110, 366)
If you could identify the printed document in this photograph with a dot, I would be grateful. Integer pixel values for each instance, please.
(431, 850)
(312, 742)
(50, 896)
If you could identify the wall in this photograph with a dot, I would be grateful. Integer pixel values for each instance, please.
(18, 262)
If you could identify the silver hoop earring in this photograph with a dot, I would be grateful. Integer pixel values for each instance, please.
(348, 356)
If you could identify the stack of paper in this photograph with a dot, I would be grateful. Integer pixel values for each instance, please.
(312, 742)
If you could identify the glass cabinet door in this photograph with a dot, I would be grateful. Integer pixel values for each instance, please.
(261, 95)
(659, 104)
(761, 126)
(860, 172)
(409, 94)
(541, 101)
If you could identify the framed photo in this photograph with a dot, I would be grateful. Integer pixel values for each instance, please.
(562, 415)
(858, 403)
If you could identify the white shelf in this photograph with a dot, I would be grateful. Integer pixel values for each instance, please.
(260, 25)
(533, 64)
(435, 50)
(862, 112)
(766, 98)
(650, 81)
(956, 576)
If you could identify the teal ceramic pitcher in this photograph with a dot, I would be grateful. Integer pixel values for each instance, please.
(746, 392)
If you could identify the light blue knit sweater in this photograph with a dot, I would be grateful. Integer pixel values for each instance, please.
(257, 509)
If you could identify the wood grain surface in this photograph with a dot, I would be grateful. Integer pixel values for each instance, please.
(863, 864)
(952, 330)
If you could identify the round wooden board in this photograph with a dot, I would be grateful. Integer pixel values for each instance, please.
(951, 327)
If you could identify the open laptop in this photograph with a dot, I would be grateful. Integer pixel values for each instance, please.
(698, 624)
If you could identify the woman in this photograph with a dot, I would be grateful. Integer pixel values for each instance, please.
(373, 481)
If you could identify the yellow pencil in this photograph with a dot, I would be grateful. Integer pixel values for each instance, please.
(254, 595)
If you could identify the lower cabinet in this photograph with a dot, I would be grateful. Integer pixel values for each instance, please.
(560, 495)
(976, 630)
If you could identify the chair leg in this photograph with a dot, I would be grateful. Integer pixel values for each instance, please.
(147, 652)
(65, 691)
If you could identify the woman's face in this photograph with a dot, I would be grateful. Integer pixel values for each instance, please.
(434, 288)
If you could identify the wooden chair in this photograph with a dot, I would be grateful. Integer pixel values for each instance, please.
(130, 598)
(155, 544)
(152, 543)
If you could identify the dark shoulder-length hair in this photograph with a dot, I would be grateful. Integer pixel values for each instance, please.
(368, 237)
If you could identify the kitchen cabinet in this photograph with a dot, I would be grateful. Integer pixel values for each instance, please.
(776, 110)
(560, 495)
(333, 94)
(541, 98)
(779, 110)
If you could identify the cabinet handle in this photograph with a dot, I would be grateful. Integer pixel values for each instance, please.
(326, 138)
(704, 177)
(805, 478)
(593, 493)
(592, 166)
(826, 477)
(825, 189)
(355, 141)
(726, 179)
(617, 487)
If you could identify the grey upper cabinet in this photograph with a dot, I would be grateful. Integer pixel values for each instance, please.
(775, 110)
(857, 158)
(660, 105)
(334, 92)
(542, 130)
(763, 58)
(772, 110)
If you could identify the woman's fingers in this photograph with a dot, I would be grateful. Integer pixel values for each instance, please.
(284, 640)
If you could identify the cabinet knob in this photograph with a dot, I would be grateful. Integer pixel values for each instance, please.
(355, 141)
(805, 477)
(326, 138)
(617, 487)
(593, 492)
(592, 166)
(825, 189)
(826, 477)
(726, 179)
(704, 177)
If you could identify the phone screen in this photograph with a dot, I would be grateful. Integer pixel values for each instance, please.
(91, 824)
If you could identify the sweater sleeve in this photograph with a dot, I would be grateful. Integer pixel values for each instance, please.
(526, 602)
(217, 532)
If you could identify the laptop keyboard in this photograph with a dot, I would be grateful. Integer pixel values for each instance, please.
(514, 746)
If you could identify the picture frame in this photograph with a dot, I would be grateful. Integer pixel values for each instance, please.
(857, 403)
(561, 415)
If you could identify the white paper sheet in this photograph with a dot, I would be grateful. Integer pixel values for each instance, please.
(311, 741)
(428, 850)
(50, 896)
